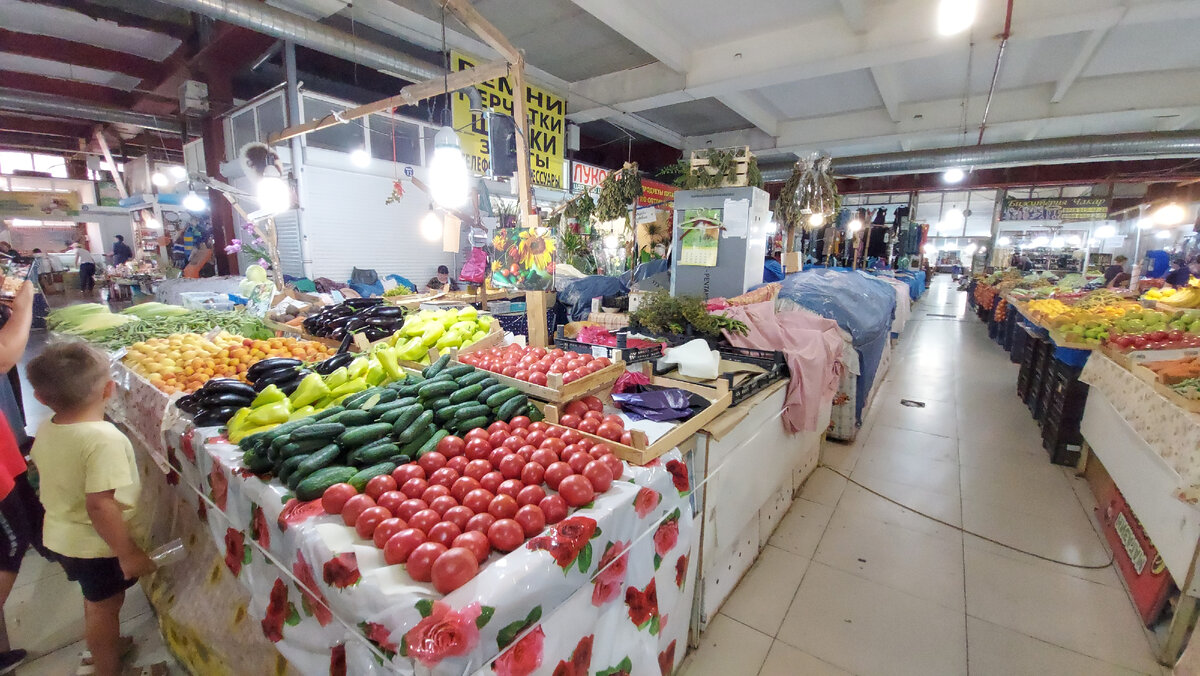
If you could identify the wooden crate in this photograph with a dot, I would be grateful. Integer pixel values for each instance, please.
(557, 392)
(642, 451)
(1190, 405)
(742, 156)
(494, 337)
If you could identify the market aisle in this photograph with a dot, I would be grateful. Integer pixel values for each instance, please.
(852, 584)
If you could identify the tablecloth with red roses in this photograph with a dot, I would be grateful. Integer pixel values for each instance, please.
(606, 591)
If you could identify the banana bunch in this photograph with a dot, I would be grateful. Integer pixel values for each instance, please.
(1187, 297)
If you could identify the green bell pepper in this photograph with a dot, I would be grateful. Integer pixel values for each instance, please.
(270, 395)
(311, 389)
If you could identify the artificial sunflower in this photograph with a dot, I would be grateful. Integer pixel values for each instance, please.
(536, 251)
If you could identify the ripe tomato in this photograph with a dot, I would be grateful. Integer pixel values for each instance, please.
(554, 508)
(506, 535)
(386, 529)
(444, 503)
(498, 426)
(366, 522)
(556, 353)
(378, 486)
(571, 437)
(462, 486)
(434, 492)
(570, 420)
(510, 465)
(410, 507)
(444, 532)
(497, 455)
(335, 497)
(577, 408)
(496, 439)
(426, 518)
(480, 522)
(589, 425)
(510, 371)
(572, 375)
(477, 433)
(544, 457)
(442, 477)
(556, 472)
(491, 481)
(532, 473)
(459, 516)
(458, 463)
(554, 444)
(354, 506)
(553, 431)
(531, 519)
(576, 490)
(511, 444)
(538, 377)
(503, 506)
(407, 471)
(510, 487)
(594, 415)
(578, 461)
(432, 461)
(478, 500)
(526, 452)
(610, 431)
(420, 561)
(451, 446)
(413, 488)
(614, 419)
(523, 374)
(535, 438)
(391, 500)
(454, 568)
(476, 542)
(476, 469)
(538, 426)
(398, 547)
(530, 495)
(600, 476)
(627, 439)
(614, 465)
(602, 361)
(477, 448)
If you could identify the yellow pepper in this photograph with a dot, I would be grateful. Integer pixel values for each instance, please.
(350, 387)
(338, 378)
(247, 431)
(375, 374)
(303, 412)
(273, 413)
(358, 367)
(310, 389)
(270, 395)
(390, 363)
(236, 426)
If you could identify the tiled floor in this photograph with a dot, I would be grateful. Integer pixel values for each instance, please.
(852, 584)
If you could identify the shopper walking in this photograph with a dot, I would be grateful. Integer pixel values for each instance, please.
(20, 512)
(121, 251)
(87, 267)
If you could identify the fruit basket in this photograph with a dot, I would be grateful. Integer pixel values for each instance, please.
(642, 450)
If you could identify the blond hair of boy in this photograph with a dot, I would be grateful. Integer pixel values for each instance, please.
(89, 488)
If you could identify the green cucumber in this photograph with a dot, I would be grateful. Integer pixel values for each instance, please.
(437, 366)
(327, 413)
(318, 431)
(365, 434)
(535, 414)
(471, 423)
(256, 441)
(379, 409)
(360, 479)
(445, 413)
(466, 394)
(459, 370)
(432, 442)
(314, 485)
(512, 408)
(489, 391)
(315, 461)
(353, 418)
(375, 453)
(418, 440)
(408, 390)
(472, 411)
(402, 417)
(473, 378)
(257, 463)
(400, 459)
(437, 388)
(502, 396)
(287, 428)
(381, 395)
(357, 398)
(289, 466)
(302, 447)
(418, 425)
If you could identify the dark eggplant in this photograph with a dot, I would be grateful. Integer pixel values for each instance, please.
(221, 399)
(274, 377)
(374, 333)
(227, 385)
(258, 368)
(383, 311)
(188, 404)
(341, 321)
(356, 324)
(334, 363)
(344, 347)
(210, 417)
(289, 386)
(342, 310)
(382, 322)
(362, 302)
(336, 334)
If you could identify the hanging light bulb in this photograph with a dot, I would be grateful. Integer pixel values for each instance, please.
(1003, 241)
(1040, 241)
(955, 16)
(854, 225)
(1169, 214)
(359, 157)
(1162, 234)
(193, 202)
(431, 226)
(816, 220)
(953, 175)
(159, 179)
(177, 172)
(152, 223)
(274, 194)
(447, 170)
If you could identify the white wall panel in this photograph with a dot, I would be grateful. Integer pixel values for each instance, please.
(346, 224)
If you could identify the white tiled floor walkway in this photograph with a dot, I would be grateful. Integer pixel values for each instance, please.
(851, 584)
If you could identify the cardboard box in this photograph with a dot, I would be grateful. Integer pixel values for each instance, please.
(792, 262)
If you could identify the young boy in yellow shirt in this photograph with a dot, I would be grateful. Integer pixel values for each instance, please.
(89, 487)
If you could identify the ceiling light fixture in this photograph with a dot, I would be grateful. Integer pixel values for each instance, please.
(159, 179)
(431, 226)
(1162, 234)
(1105, 232)
(177, 172)
(359, 157)
(1145, 224)
(1003, 241)
(447, 170)
(953, 175)
(955, 16)
(1169, 214)
(193, 202)
(816, 220)
(854, 225)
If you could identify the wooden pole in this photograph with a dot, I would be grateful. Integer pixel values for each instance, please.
(535, 309)
(521, 118)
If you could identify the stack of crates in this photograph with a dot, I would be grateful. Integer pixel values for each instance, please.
(1063, 413)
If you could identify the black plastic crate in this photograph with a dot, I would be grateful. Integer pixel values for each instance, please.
(629, 355)
(1063, 442)
(774, 368)
(1018, 343)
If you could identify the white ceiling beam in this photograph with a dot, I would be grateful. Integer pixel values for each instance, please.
(756, 112)
(1083, 58)
(643, 25)
(641, 125)
(855, 13)
(888, 87)
(651, 86)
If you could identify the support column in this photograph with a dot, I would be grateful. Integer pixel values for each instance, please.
(292, 96)
(224, 226)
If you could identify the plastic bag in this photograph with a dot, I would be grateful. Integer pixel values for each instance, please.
(629, 380)
(657, 405)
(364, 277)
(475, 268)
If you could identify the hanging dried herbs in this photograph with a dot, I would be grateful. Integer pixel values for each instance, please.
(581, 208)
(618, 190)
(722, 169)
(787, 211)
(660, 313)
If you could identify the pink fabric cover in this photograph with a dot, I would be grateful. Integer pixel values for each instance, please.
(812, 346)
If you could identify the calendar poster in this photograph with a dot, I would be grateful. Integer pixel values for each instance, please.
(700, 236)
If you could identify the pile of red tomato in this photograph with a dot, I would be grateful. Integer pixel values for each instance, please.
(442, 515)
(531, 364)
(587, 415)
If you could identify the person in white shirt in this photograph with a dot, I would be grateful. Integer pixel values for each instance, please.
(87, 267)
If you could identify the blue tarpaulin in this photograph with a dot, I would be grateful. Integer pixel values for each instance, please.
(578, 295)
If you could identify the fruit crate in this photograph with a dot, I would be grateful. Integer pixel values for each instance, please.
(773, 367)
(629, 355)
(642, 450)
(557, 392)
(741, 156)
